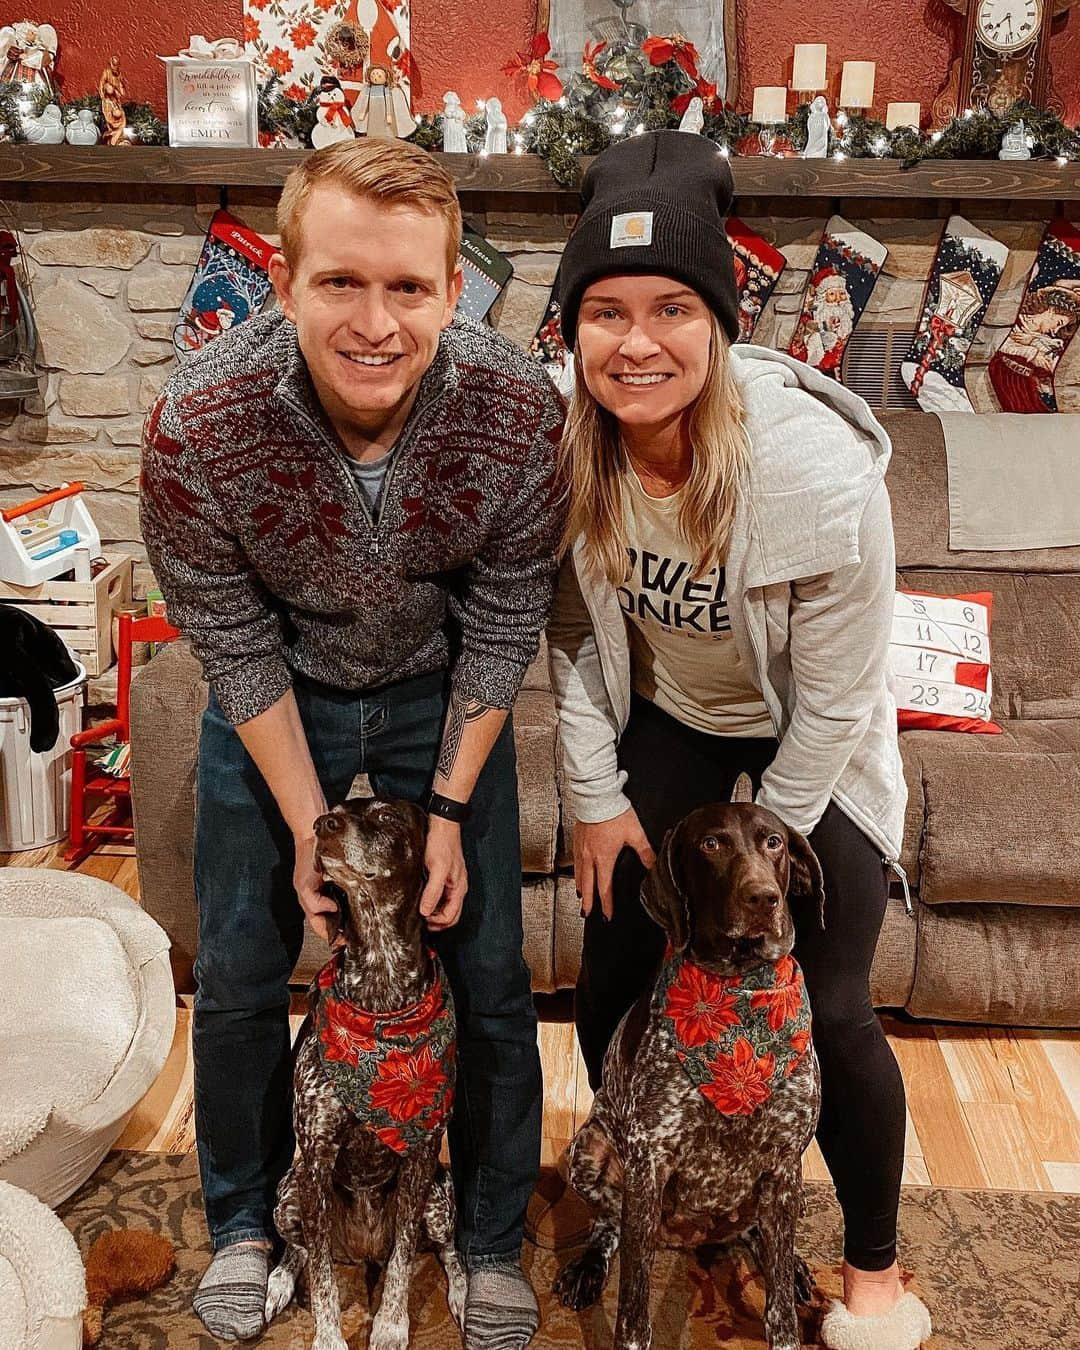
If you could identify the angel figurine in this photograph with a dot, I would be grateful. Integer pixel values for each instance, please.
(112, 93)
(382, 108)
(693, 119)
(495, 136)
(817, 130)
(332, 119)
(453, 122)
(28, 53)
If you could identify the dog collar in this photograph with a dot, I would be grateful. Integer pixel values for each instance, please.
(393, 1070)
(737, 1037)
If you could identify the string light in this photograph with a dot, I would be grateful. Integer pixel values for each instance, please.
(481, 105)
(839, 155)
(968, 113)
(1062, 160)
(725, 151)
(935, 136)
(841, 118)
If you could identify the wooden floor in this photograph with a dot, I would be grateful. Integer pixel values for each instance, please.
(987, 1107)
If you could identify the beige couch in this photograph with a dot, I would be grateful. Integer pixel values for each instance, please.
(992, 841)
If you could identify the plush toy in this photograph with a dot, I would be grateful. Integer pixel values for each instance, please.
(119, 1265)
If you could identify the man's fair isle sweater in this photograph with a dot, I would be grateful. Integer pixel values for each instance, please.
(266, 552)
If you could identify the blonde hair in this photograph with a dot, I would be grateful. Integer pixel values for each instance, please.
(390, 172)
(594, 464)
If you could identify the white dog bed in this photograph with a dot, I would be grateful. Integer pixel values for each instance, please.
(86, 1023)
(42, 1283)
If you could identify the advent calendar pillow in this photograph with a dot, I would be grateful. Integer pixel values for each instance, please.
(940, 660)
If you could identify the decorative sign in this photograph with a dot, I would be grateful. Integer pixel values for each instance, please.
(211, 102)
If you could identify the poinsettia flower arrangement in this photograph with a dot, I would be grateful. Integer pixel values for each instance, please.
(539, 72)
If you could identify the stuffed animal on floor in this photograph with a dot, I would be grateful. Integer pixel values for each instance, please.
(119, 1265)
(34, 662)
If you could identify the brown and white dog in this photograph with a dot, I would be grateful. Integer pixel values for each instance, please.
(374, 1082)
(711, 1088)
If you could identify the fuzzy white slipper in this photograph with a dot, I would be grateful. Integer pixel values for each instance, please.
(905, 1327)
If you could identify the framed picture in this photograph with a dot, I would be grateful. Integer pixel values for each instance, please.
(211, 103)
(708, 24)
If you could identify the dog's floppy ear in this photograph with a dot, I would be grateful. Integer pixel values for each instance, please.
(744, 789)
(805, 876)
(662, 893)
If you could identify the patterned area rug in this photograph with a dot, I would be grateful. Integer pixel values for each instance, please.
(1000, 1271)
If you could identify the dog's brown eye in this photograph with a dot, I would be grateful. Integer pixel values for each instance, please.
(774, 842)
(710, 843)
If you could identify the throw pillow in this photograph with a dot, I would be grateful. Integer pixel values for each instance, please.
(940, 660)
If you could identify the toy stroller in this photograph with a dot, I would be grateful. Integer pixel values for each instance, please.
(19, 379)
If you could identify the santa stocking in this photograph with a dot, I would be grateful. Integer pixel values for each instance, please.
(230, 284)
(1022, 369)
(844, 274)
(547, 345)
(966, 272)
(757, 269)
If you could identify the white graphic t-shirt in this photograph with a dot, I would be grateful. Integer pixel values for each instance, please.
(683, 657)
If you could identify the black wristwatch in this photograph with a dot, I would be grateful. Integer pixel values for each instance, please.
(438, 805)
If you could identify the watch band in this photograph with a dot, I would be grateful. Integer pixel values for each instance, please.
(438, 805)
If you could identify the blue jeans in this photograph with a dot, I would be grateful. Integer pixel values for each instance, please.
(250, 934)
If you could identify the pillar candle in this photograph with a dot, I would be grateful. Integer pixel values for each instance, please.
(808, 71)
(857, 84)
(770, 104)
(902, 115)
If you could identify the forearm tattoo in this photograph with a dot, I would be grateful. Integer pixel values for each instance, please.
(460, 712)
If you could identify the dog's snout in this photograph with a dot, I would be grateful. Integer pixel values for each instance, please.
(766, 899)
(329, 824)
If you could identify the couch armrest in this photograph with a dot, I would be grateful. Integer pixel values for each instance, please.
(167, 700)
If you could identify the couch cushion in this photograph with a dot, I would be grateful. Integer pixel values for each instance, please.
(1000, 813)
(534, 739)
(918, 485)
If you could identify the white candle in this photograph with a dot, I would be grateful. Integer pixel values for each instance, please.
(857, 84)
(808, 71)
(770, 104)
(902, 115)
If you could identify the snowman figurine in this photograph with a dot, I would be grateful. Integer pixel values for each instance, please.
(693, 119)
(48, 129)
(82, 129)
(495, 136)
(333, 122)
(453, 135)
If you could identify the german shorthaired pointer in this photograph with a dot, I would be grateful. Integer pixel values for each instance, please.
(374, 1083)
(711, 1087)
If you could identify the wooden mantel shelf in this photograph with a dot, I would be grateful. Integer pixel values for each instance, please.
(516, 175)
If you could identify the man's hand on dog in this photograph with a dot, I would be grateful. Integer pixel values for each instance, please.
(308, 881)
(447, 879)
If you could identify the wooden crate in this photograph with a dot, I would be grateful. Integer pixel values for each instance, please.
(80, 611)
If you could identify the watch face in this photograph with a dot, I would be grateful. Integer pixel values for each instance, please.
(1008, 25)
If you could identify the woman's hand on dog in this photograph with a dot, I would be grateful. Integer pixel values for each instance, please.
(447, 879)
(596, 850)
(308, 881)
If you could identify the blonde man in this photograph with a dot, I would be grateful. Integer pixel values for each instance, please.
(348, 503)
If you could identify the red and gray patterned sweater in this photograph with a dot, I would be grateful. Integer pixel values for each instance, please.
(266, 552)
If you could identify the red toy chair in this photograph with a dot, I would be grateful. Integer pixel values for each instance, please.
(83, 837)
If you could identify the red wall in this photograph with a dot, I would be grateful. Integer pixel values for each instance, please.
(462, 47)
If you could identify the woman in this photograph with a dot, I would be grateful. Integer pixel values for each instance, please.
(725, 607)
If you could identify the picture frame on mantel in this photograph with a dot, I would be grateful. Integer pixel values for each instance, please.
(709, 24)
(212, 104)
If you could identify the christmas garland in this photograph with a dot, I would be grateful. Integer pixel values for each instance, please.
(18, 102)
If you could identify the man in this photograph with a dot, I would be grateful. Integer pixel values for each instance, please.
(351, 506)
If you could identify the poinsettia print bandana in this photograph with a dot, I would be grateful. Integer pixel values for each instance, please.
(736, 1036)
(394, 1071)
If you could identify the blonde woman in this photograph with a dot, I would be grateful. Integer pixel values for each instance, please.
(724, 607)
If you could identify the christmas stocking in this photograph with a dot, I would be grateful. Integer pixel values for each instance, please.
(1022, 369)
(757, 269)
(547, 345)
(486, 273)
(229, 285)
(965, 275)
(844, 274)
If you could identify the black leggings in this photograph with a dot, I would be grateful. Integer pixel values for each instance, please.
(672, 770)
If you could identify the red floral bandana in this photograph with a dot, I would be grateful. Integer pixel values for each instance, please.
(394, 1071)
(736, 1036)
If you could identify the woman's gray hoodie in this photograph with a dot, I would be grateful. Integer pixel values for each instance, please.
(810, 576)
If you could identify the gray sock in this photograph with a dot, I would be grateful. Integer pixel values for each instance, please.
(501, 1311)
(232, 1294)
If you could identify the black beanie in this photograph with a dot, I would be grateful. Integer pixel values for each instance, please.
(654, 203)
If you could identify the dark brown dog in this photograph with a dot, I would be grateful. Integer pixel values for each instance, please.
(657, 1159)
(349, 1196)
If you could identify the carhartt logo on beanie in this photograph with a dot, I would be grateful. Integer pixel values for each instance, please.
(654, 203)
